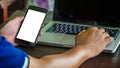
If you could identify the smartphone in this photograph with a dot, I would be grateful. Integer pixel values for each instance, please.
(31, 26)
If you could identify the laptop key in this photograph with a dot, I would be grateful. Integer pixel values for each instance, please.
(75, 31)
(56, 30)
(70, 29)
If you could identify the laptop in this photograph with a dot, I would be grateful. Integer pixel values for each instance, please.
(69, 18)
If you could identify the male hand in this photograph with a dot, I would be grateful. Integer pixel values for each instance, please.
(93, 40)
(9, 31)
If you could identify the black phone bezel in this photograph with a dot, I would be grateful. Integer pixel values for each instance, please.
(24, 42)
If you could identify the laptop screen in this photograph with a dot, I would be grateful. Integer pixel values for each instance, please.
(90, 12)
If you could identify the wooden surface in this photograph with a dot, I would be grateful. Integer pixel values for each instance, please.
(104, 60)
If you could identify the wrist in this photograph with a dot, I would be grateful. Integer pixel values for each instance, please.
(85, 50)
(78, 55)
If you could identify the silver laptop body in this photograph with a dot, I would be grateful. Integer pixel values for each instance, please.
(68, 40)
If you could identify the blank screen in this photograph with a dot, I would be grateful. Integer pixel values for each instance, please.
(88, 12)
(31, 26)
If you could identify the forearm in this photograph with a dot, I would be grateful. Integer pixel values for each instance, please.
(77, 55)
(70, 59)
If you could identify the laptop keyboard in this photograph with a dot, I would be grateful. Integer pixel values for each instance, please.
(74, 29)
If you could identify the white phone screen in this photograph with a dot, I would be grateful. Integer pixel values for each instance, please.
(31, 25)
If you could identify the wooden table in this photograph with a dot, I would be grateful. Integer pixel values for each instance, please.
(104, 60)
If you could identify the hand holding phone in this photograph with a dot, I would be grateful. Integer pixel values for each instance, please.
(31, 26)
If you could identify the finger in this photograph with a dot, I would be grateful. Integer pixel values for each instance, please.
(105, 34)
(41, 33)
(20, 19)
(17, 20)
(92, 28)
(108, 40)
(81, 32)
(102, 30)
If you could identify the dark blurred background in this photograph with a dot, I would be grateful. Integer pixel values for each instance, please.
(17, 5)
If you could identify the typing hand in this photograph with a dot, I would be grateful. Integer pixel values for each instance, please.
(93, 40)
